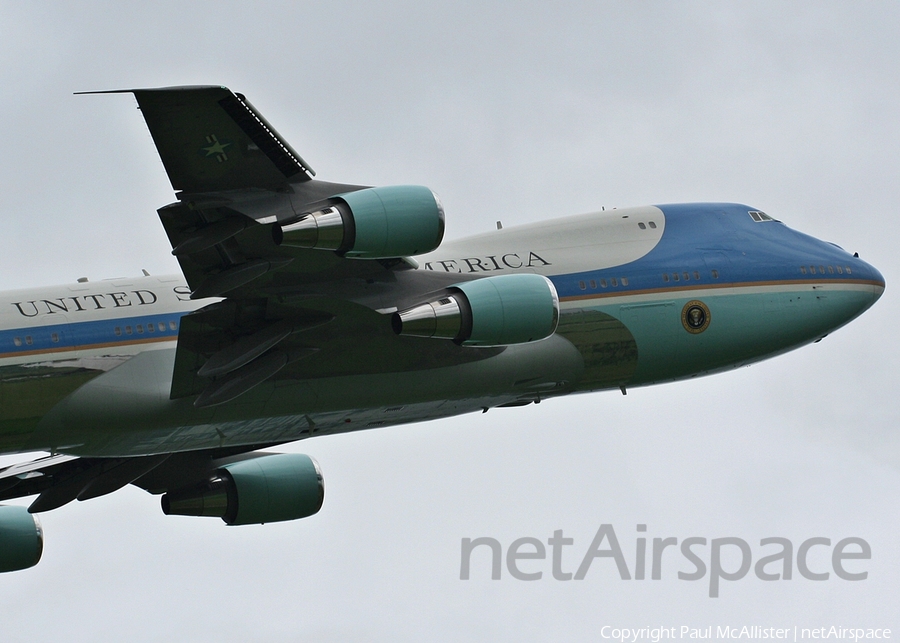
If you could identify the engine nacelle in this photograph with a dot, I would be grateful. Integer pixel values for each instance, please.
(374, 223)
(493, 311)
(21, 539)
(271, 488)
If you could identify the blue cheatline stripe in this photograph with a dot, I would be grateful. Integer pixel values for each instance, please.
(570, 290)
(73, 336)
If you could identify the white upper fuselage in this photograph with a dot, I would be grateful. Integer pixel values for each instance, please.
(91, 319)
(118, 317)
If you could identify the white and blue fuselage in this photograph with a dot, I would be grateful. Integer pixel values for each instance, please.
(647, 295)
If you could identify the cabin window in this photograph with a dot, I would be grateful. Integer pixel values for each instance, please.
(140, 329)
(614, 282)
(118, 331)
(28, 340)
(840, 270)
(642, 226)
(128, 330)
(161, 326)
(675, 276)
(593, 284)
(715, 274)
(803, 269)
(603, 283)
(151, 328)
(624, 281)
(581, 285)
(830, 270)
(812, 270)
(666, 277)
(17, 341)
(172, 326)
(686, 276)
(696, 275)
(821, 270)
(849, 272)
(54, 337)
(653, 225)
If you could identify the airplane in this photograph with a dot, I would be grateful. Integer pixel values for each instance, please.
(308, 308)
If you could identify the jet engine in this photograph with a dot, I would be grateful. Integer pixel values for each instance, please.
(21, 539)
(493, 311)
(374, 223)
(271, 488)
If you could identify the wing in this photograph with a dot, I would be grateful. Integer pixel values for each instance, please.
(60, 478)
(301, 306)
(210, 139)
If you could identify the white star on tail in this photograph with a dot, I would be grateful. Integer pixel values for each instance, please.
(217, 148)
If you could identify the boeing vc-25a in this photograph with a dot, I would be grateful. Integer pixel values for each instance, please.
(300, 311)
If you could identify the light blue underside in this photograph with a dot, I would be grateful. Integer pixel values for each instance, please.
(743, 328)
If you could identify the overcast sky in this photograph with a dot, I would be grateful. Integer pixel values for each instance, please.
(518, 114)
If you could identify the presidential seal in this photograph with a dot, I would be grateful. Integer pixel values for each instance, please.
(695, 316)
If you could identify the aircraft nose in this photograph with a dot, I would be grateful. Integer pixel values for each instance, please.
(862, 287)
(842, 287)
(872, 277)
(873, 274)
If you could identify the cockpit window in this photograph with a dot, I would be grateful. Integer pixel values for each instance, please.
(759, 217)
